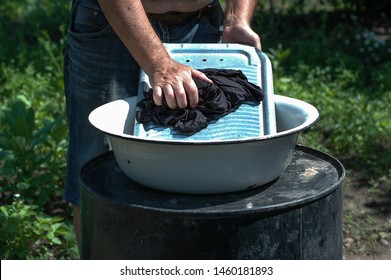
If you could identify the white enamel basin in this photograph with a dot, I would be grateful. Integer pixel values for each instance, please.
(203, 167)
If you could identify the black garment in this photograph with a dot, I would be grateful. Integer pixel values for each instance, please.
(229, 90)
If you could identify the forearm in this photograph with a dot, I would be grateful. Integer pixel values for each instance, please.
(239, 12)
(169, 80)
(130, 22)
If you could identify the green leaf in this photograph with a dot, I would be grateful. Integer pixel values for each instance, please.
(6, 171)
(56, 240)
(4, 211)
(41, 136)
(57, 219)
(55, 226)
(21, 120)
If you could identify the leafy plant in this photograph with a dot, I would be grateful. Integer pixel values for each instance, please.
(29, 162)
(26, 233)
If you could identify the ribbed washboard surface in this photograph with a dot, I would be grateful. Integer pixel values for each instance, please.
(245, 122)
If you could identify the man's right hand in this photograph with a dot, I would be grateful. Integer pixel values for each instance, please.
(175, 83)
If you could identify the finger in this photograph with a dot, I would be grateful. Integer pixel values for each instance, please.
(180, 95)
(192, 93)
(201, 76)
(157, 95)
(259, 46)
(256, 42)
(169, 96)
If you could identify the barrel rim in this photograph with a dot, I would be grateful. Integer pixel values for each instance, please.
(340, 170)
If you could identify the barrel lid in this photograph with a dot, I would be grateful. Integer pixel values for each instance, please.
(311, 175)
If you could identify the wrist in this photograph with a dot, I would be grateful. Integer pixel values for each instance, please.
(232, 20)
(239, 12)
(157, 61)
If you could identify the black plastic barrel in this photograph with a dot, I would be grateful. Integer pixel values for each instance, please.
(298, 216)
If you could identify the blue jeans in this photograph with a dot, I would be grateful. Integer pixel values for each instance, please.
(98, 69)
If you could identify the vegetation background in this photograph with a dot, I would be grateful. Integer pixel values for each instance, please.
(334, 54)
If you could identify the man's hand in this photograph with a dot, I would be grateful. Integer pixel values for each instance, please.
(237, 23)
(174, 82)
(242, 34)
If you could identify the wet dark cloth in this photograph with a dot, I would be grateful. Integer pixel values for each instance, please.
(229, 90)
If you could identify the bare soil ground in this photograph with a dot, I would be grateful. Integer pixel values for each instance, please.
(367, 218)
